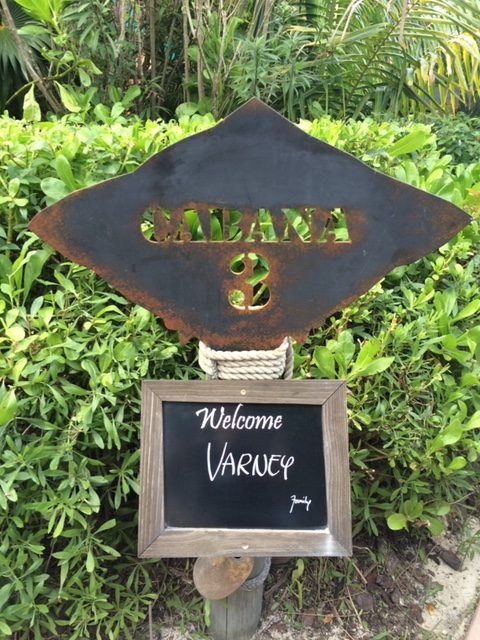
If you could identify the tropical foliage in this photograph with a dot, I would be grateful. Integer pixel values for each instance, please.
(347, 57)
(120, 37)
(458, 136)
(396, 57)
(13, 74)
(73, 353)
(341, 57)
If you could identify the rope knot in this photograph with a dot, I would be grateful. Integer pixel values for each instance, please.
(247, 365)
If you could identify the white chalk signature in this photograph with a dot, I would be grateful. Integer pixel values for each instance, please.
(305, 500)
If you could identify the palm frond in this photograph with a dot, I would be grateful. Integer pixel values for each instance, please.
(12, 73)
(372, 43)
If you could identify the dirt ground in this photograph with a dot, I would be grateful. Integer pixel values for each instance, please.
(393, 588)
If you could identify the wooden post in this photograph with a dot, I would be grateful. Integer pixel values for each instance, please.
(237, 617)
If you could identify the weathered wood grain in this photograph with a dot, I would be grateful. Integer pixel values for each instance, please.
(155, 540)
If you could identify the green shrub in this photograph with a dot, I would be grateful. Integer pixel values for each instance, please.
(73, 353)
(458, 136)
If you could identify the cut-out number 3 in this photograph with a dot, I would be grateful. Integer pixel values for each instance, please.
(252, 293)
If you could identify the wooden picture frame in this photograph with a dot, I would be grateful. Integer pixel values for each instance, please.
(157, 539)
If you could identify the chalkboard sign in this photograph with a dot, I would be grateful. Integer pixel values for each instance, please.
(243, 465)
(234, 467)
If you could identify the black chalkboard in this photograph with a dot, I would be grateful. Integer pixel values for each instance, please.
(230, 467)
(243, 465)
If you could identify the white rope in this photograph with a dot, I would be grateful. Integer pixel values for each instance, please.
(247, 365)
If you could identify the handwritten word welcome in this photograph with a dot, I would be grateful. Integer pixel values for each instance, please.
(226, 421)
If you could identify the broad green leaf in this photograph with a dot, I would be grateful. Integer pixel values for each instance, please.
(64, 172)
(59, 526)
(90, 563)
(5, 592)
(102, 112)
(435, 526)
(8, 407)
(84, 78)
(68, 98)
(471, 308)
(168, 352)
(457, 463)
(472, 455)
(443, 509)
(13, 187)
(110, 550)
(377, 366)
(15, 333)
(449, 342)
(474, 421)
(54, 189)
(97, 438)
(186, 109)
(117, 110)
(33, 268)
(345, 349)
(107, 525)
(450, 435)
(11, 317)
(131, 94)
(18, 367)
(66, 554)
(31, 108)
(473, 333)
(39, 9)
(4, 628)
(299, 569)
(10, 493)
(366, 354)
(87, 63)
(66, 283)
(411, 142)
(413, 509)
(325, 362)
(36, 306)
(397, 521)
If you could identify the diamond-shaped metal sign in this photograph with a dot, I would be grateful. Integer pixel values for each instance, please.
(247, 232)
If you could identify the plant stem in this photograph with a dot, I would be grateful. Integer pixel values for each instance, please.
(153, 53)
(200, 60)
(186, 43)
(35, 82)
(11, 218)
(167, 50)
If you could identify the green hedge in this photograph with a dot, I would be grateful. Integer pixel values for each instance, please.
(73, 353)
(458, 136)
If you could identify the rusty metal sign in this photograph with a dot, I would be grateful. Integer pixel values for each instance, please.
(247, 232)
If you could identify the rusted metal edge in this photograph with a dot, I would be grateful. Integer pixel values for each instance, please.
(258, 164)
